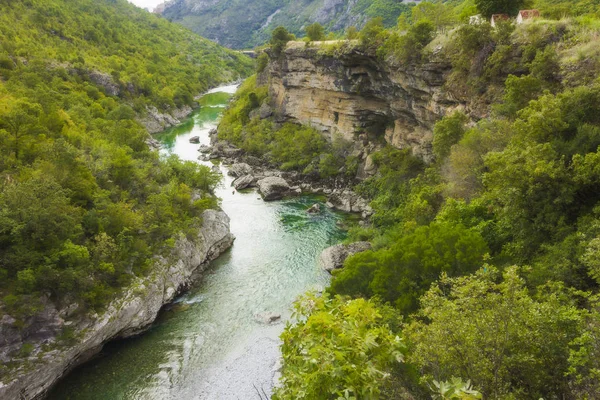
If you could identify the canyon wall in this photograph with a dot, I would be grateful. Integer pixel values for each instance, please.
(341, 90)
(126, 316)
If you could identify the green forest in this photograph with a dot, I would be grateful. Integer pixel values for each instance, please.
(483, 280)
(85, 205)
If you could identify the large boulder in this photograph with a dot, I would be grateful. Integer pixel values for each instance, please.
(239, 169)
(349, 201)
(273, 188)
(244, 182)
(333, 257)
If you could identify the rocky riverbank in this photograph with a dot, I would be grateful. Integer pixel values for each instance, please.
(50, 355)
(273, 184)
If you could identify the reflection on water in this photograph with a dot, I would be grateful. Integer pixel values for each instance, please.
(209, 344)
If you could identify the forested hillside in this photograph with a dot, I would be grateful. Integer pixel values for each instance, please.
(483, 280)
(245, 24)
(84, 203)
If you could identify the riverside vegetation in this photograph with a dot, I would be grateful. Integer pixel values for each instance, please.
(483, 280)
(85, 204)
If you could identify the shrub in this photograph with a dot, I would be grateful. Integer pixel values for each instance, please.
(339, 348)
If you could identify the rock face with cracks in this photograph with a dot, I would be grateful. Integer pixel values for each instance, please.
(128, 315)
(348, 92)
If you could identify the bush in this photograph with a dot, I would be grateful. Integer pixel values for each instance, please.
(261, 62)
(447, 132)
(339, 348)
(401, 273)
(493, 332)
(315, 32)
(279, 39)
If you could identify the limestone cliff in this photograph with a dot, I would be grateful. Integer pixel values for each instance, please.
(339, 89)
(128, 315)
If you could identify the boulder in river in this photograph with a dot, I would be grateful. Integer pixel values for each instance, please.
(273, 188)
(244, 182)
(204, 149)
(239, 169)
(195, 139)
(314, 209)
(267, 317)
(333, 257)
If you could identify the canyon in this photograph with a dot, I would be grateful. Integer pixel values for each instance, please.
(128, 315)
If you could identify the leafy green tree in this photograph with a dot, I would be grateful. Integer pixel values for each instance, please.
(489, 7)
(401, 273)
(19, 122)
(447, 132)
(339, 348)
(352, 33)
(261, 62)
(439, 14)
(494, 333)
(372, 34)
(315, 32)
(519, 92)
(279, 39)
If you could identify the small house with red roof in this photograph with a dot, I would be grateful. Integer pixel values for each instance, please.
(525, 15)
(497, 18)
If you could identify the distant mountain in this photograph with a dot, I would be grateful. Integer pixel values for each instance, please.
(243, 24)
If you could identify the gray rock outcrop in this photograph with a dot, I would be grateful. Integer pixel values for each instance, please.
(128, 315)
(314, 209)
(106, 82)
(239, 169)
(333, 257)
(244, 182)
(348, 201)
(273, 188)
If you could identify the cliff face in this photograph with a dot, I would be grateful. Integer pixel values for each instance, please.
(343, 91)
(126, 316)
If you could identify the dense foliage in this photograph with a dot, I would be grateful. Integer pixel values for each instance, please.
(335, 336)
(84, 204)
(520, 187)
(289, 147)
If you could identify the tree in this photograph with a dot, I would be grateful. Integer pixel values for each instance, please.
(20, 121)
(439, 14)
(447, 133)
(509, 343)
(401, 273)
(315, 32)
(352, 33)
(339, 348)
(279, 39)
(489, 7)
(371, 34)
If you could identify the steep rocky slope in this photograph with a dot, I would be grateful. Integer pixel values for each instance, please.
(243, 24)
(52, 355)
(339, 89)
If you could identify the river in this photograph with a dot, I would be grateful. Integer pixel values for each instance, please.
(209, 343)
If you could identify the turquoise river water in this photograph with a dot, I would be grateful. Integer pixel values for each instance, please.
(209, 343)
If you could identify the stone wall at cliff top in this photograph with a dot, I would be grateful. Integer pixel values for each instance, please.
(339, 89)
(128, 315)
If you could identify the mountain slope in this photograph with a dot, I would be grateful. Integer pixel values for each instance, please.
(244, 24)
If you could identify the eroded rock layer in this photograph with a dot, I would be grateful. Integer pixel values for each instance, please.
(341, 90)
